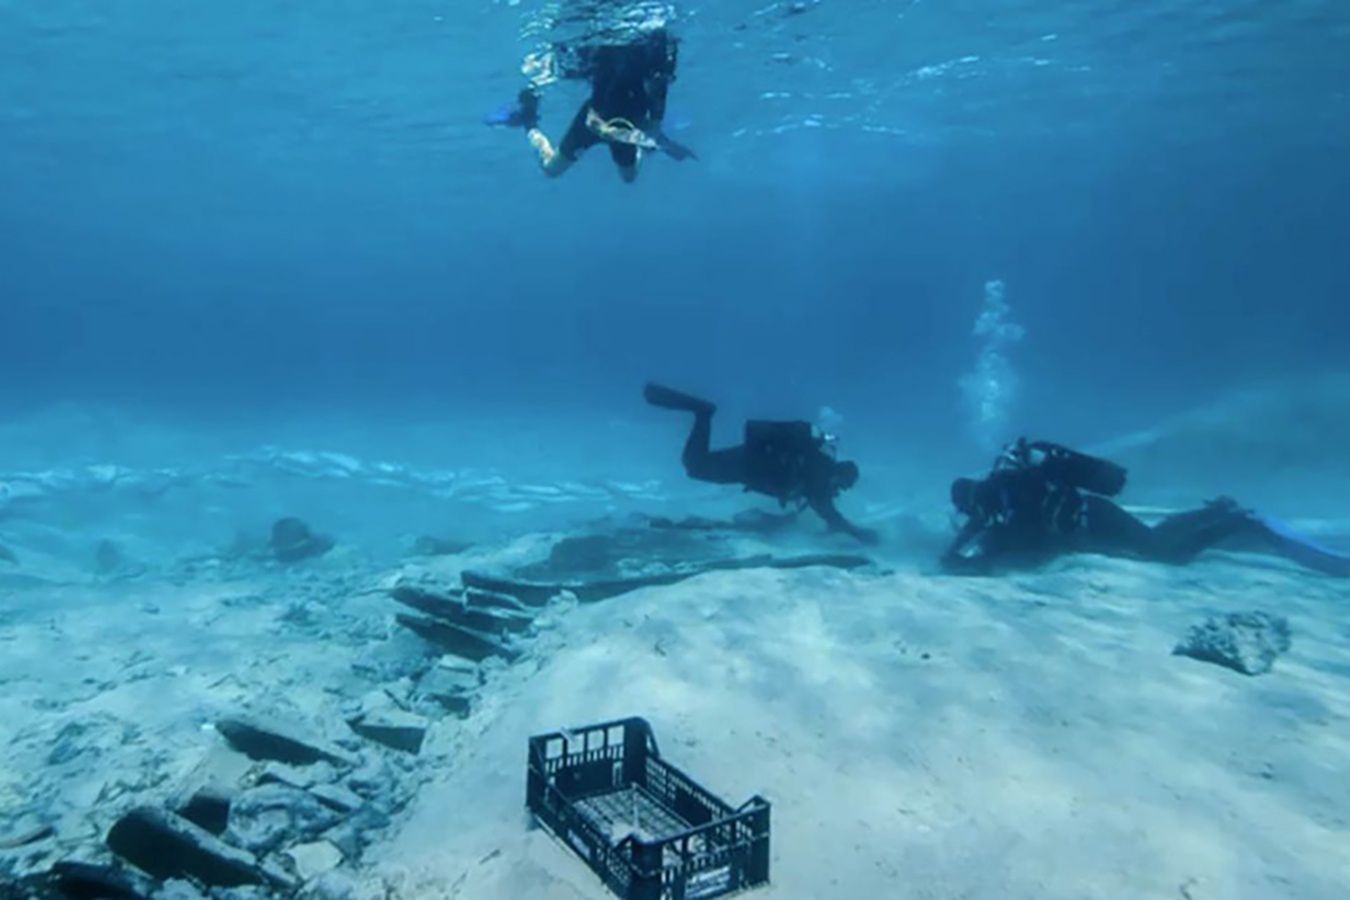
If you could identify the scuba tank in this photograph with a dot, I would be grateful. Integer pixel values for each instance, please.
(1065, 466)
(778, 455)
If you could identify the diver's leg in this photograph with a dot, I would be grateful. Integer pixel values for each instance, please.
(701, 462)
(557, 160)
(626, 157)
(698, 446)
(1184, 536)
(669, 398)
(553, 162)
(1107, 528)
(704, 464)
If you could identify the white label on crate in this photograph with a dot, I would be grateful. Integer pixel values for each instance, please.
(705, 884)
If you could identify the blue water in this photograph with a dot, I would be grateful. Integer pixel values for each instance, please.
(262, 259)
(254, 216)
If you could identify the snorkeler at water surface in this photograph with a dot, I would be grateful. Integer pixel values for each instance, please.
(1044, 500)
(629, 82)
(788, 461)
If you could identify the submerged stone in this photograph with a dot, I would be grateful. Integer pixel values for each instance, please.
(24, 834)
(393, 728)
(209, 809)
(178, 889)
(166, 846)
(293, 541)
(315, 859)
(265, 742)
(476, 599)
(462, 642)
(337, 798)
(291, 776)
(108, 557)
(451, 687)
(70, 879)
(528, 593)
(265, 818)
(433, 546)
(1244, 642)
(429, 602)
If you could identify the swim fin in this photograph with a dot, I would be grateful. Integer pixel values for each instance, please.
(524, 114)
(669, 398)
(674, 149)
(1302, 549)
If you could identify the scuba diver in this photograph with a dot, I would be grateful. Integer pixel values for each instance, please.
(1043, 500)
(625, 110)
(788, 461)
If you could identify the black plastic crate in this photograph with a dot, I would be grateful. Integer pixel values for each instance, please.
(647, 829)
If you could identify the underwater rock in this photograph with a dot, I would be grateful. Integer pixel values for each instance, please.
(7, 556)
(391, 727)
(488, 600)
(402, 655)
(621, 553)
(177, 889)
(595, 590)
(86, 881)
(432, 546)
(530, 594)
(424, 601)
(27, 831)
(262, 742)
(586, 553)
(337, 798)
(458, 641)
(373, 782)
(72, 742)
(497, 622)
(293, 541)
(208, 809)
(352, 835)
(166, 846)
(108, 558)
(1244, 642)
(332, 886)
(262, 819)
(447, 609)
(312, 860)
(290, 776)
(452, 687)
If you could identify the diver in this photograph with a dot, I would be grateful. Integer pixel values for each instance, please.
(1044, 500)
(784, 460)
(625, 110)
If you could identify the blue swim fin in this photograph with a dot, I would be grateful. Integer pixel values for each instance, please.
(524, 113)
(1302, 549)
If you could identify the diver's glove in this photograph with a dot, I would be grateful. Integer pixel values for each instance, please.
(525, 114)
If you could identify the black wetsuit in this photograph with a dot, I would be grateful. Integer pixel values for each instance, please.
(628, 81)
(781, 460)
(1025, 515)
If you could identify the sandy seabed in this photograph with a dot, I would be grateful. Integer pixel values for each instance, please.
(919, 736)
(926, 737)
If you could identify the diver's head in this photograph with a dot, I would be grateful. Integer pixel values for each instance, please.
(844, 475)
(964, 491)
